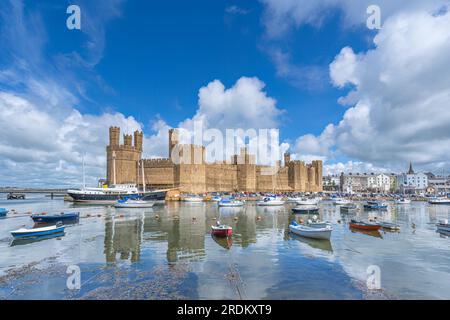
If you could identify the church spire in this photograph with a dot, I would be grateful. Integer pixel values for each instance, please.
(411, 171)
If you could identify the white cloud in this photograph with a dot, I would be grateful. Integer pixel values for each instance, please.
(400, 97)
(281, 15)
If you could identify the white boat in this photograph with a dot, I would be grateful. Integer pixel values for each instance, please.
(443, 225)
(270, 201)
(310, 232)
(318, 224)
(192, 198)
(341, 201)
(402, 201)
(294, 199)
(37, 232)
(307, 202)
(134, 203)
(230, 203)
(439, 200)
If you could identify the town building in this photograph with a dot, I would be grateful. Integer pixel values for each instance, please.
(194, 175)
(412, 182)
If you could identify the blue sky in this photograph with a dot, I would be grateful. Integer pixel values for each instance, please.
(142, 64)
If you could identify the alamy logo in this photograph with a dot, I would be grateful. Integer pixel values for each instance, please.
(74, 279)
(374, 19)
(74, 20)
(373, 277)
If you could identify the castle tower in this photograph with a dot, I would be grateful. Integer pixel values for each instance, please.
(174, 138)
(287, 159)
(138, 137)
(122, 160)
(114, 134)
(128, 140)
(318, 165)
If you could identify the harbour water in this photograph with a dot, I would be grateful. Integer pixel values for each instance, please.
(167, 252)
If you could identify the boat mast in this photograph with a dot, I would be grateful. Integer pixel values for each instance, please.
(84, 176)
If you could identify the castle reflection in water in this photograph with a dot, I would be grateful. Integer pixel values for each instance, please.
(184, 228)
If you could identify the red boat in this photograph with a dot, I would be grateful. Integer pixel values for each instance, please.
(221, 230)
(364, 225)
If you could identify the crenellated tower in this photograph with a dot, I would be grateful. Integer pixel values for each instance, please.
(122, 161)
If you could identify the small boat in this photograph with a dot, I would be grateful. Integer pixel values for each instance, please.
(310, 232)
(134, 203)
(375, 205)
(403, 201)
(305, 209)
(230, 203)
(63, 216)
(389, 226)
(216, 198)
(3, 212)
(221, 230)
(192, 198)
(294, 199)
(36, 232)
(270, 201)
(439, 200)
(307, 202)
(318, 224)
(341, 201)
(443, 225)
(15, 196)
(364, 225)
(349, 208)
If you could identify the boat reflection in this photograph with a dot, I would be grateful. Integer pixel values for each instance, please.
(324, 245)
(443, 234)
(23, 241)
(375, 234)
(224, 242)
(229, 211)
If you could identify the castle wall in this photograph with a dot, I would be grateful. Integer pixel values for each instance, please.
(159, 173)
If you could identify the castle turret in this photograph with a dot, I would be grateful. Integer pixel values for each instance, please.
(138, 136)
(287, 158)
(128, 140)
(114, 134)
(174, 137)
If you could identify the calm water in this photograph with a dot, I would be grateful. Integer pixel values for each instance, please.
(167, 252)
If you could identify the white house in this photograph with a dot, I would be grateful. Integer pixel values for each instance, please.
(412, 182)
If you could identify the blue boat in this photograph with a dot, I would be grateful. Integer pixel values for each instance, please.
(63, 217)
(37, 232)
(3, 212)
(375, 205)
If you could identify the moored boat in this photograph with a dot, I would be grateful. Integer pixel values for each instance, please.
(53, 218)
(270, 201)
(439, 200)
(221, 230)
(341, 201)
(375, 205)
(305, 209)
(3, 212)
(402, 201)
(443, 225)
(364, 225)
(230, 203)
(307, 202)
(36, 232)
(311, 232)
(134, 203)
(192, 198)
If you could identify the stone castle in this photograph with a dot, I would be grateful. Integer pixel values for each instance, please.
(196, 176)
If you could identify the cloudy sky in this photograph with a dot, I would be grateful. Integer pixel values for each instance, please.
(360, 99)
